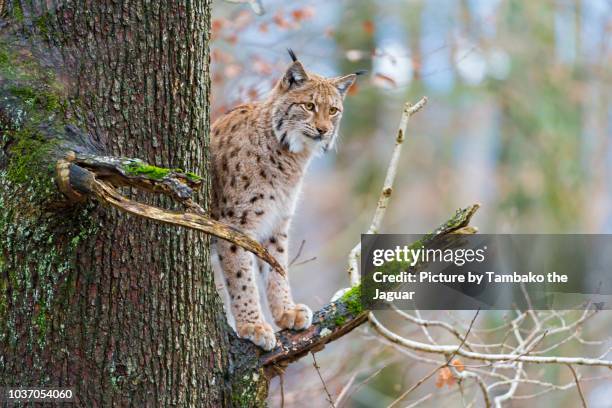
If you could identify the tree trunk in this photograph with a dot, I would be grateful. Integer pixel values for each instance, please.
(121, 309)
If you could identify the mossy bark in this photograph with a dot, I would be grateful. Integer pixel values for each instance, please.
(123, 310)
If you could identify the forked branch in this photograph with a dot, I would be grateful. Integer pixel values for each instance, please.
(81, 175)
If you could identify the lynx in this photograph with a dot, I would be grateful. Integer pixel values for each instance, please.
(260, 152)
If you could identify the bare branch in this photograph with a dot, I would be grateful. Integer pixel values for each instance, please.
(577, 380)
(488, 357)
(387, 190)
(316, 366)
(435, 370)
(341, 316)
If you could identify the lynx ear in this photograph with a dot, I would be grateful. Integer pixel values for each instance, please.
(294, 77)
(344, 83)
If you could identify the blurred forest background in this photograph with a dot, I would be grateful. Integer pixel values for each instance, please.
(519, 119)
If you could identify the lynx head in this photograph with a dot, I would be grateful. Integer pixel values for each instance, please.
(307, 108)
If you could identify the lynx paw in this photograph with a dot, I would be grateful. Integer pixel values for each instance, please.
(261, 334)
(299, 317)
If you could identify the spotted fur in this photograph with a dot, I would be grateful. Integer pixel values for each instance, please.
(260, 152)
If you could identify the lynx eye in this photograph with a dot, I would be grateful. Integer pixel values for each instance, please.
(309, 106)
(333, 110)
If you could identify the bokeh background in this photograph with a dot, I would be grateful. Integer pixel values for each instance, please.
(519, 119)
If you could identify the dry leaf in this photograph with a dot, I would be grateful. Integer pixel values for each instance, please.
(445, 375)
(302, 13)
(368, 27)
(232, 70)
(262, 67)
(280, 20)
(458, 364)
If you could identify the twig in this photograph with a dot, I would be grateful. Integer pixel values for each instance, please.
(282, 389)
(316, 366)
(578, 386)
(435, 370)
(427, 323)
(345, 390)
(481, 384)
(488, 357)
(343, 315)
(361, 384)
(419, 401)
(299, 252)
(305, 261)
(387, 190)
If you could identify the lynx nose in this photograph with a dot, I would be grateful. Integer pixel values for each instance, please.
(322, 130)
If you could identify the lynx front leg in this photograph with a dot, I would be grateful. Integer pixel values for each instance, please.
(286, 313)
(238, 270)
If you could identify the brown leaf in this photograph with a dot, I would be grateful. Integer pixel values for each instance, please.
(262, 67)
(445, 377)
(216, 27)
(220, 56)
(302, 14)
(232, 39)
(232, 70)
(242, 20)
(368, 27)
(217, 24)
(458, 364)
(280, 20)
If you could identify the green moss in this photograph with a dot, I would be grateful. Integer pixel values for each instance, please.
(250, 390)
(32, 92)
(138, 168)
(4, 59)
(42, 23)
(30, 152)
(40, 321)
(352, 300)
(41, 99)
(17, 12)
(339, 320)
(193, 177)
(3, 293)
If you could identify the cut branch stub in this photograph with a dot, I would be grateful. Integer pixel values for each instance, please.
(120, 171)
(80, 175)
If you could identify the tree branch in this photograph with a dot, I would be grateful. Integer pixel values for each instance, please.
(387, 190)
(81, 175)
(339, 317)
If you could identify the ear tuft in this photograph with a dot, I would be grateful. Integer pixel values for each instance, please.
(292, 55)
(361, 72)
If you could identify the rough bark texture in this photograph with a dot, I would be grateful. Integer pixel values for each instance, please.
(120, 308)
